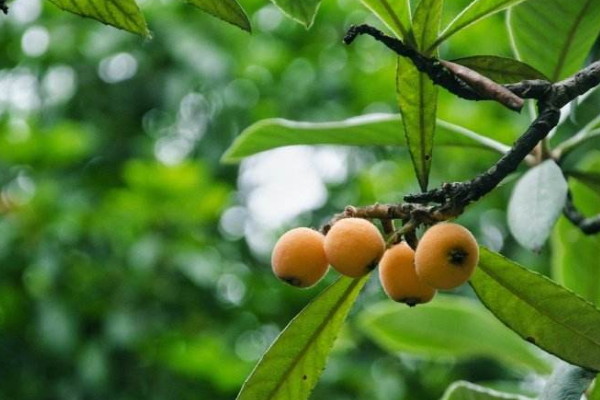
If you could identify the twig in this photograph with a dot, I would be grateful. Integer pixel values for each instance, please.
(4, 7)
(567, 382)
(451, 199)
(457, 79)
(588, 226)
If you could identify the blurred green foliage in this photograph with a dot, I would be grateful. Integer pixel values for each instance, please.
(131, 265)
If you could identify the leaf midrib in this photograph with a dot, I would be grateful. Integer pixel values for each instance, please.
(312, 337)
(570, 36)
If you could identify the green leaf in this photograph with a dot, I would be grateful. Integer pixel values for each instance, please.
(594, 393)
(417, 99)
(462, 390)
(575, 255)
(500, 69)
(574, 260)
(450, 326)
(227, 10)
(395, 14)
(536, 203)
(292, 365)
(371, 129)
(426, 24)
(476, 11)
(122, 14)
(539, 310)
(555, 36)
(302, 11)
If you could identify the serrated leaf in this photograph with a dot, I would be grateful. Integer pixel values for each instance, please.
(450, 326)
(536, 203)
(417, 100)
(302, 11)
(462, 390)
(122, 14)
(227, 10)
(292, 365)
(426, 24)
(539, 310)
(500, 69)
(395, 14)
(371, 129)
(476, 11)
(555, 36)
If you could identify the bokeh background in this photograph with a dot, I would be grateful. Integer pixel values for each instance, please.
(133, 264)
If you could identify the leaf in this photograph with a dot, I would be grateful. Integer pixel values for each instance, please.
(122, 14)
(426, 24)
(462, 390)
(417, 99)
(303, 11)
(582, 123)
(292, 365)
(371, 129)
(500, 69)
(594, 392)
(575, 255)
(450, 326)
(539, 310)
(227, 10)
(574, 260)
(555, 36)
(395, 14)
(476, 11)
(536, 203)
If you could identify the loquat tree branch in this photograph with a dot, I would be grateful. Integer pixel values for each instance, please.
(450, 199)
(588, 226)
(457, 79)
(3, 6)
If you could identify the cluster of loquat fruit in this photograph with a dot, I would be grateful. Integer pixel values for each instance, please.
(445, 258)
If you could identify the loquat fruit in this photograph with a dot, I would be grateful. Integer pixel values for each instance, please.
(298, 257)
(353, 246)
(446, 256)
(399, 279)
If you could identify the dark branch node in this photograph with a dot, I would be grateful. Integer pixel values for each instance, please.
(588, 226)
(3, 7)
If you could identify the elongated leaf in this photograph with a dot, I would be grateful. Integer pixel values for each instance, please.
(417, 99)
(539, 310)
(450, 326)
(462, 390)
(371, 129)
(501, 69)
(122, 14)
(426, 24)
(536, 203)
(555, 36)
(395, 14)
(227, 10)
(476, 11)
(303, 11)
(292, 365)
